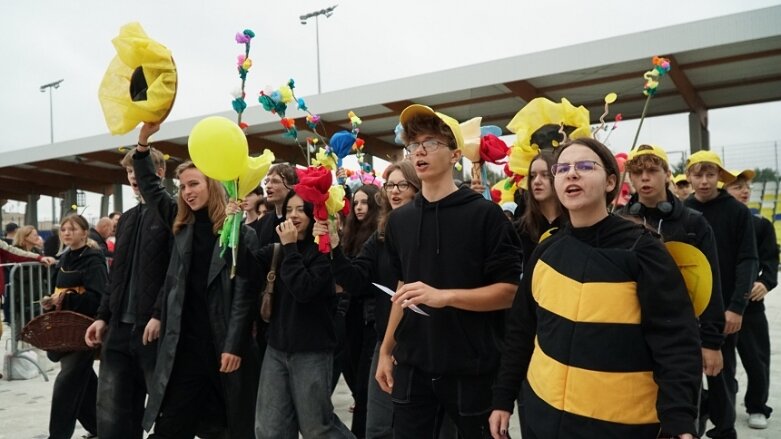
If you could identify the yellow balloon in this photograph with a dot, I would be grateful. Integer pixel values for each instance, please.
(257, 168)
(218, 148)
(610, 98)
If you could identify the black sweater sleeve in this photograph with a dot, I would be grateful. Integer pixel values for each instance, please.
(767, 247)
(305, 281)
(712, 317)
(355, 275)
(151, 189)
(746, 268)
(520, 330)
(503, 260)
(670, 330)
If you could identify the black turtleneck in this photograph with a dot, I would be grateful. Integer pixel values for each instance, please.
(195, 316)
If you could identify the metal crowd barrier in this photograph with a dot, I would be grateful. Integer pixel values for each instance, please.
(27, 283)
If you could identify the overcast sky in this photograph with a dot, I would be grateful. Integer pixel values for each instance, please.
(363, 42)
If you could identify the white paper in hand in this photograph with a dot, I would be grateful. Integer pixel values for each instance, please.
(390, 292)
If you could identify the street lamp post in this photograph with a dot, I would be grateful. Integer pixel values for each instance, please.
(316, 14)
(50, 86)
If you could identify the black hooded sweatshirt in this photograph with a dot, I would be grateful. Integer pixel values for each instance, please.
(735, 241)
(767, 248)
(459, 242)
(686, 225)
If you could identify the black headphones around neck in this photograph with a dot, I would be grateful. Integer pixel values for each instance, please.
(638, 209)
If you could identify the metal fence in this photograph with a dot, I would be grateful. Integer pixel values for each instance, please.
(26, 284)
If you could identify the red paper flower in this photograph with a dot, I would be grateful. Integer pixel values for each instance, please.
(312, 187)
(493, 149)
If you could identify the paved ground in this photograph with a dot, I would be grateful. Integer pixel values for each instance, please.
(24, 405)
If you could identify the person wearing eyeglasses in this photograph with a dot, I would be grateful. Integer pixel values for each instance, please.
(754, 340)
(602, 330)
(457, 259)
(372, 265)
(738, 268)
(279, 181)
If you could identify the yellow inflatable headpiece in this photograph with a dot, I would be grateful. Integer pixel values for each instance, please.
(537, 125)
(139, 84)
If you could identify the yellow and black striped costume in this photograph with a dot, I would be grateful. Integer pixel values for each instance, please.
(605, 334)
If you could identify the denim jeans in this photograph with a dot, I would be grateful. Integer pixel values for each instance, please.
(74, 395)
(126, 371)
(295, 396)
(379, 410)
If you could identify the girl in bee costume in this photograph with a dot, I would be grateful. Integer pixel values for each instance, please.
(602, 328)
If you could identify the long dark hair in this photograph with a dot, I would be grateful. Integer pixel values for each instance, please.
(356, 232)
(309, 211)
(533, 220)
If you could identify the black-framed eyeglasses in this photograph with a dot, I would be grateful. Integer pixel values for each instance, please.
(580, 166)
(401, 186)
(429, 145)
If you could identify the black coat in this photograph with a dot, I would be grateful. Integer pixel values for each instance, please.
(232, 304)
(154, 250)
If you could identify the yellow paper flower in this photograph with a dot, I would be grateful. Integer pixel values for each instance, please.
(335, 201)
(257, 168)
(325, 159)
(521, 157)
(470, 130)
(140, 82)
(285, 94)
(508, 194)
(541, 111)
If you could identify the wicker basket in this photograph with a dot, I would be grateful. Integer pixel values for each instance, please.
(57, 331)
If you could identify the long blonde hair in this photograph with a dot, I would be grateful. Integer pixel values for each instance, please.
(20, 239)
(216, 204)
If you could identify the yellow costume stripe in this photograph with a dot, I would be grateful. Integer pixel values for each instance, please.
(592, 302)
(621, 397)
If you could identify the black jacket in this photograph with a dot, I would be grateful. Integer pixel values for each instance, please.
(463, 242)
(372, 265)
(232, 304)
(604, 333)
(154, 250)
(95, 236)
(301, 316)
(736, 244)
(84, 273)
(686, 225)
(767, 247)
(266, 227)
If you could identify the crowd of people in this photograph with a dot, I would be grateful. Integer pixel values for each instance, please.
(442, 314)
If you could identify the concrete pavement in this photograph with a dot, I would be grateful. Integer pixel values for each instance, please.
(24, 405)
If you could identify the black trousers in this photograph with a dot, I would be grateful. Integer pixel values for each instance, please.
(126, 371)
(74, 395)
(356, 363)
(754, 350)
(422, 400)
(193, 402)
(719, 401)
